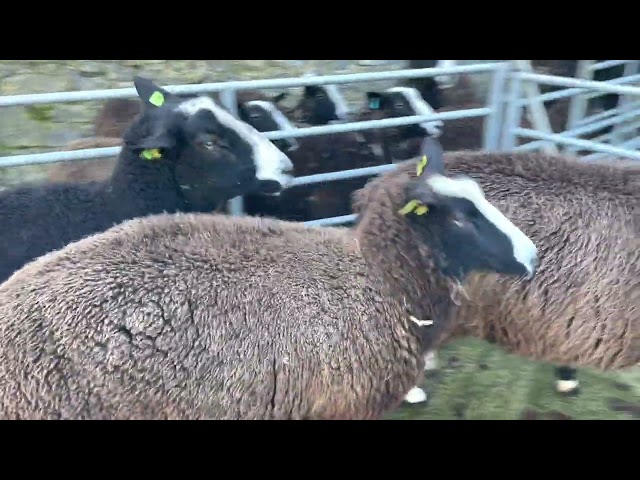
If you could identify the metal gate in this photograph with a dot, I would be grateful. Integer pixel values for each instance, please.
(502, 114)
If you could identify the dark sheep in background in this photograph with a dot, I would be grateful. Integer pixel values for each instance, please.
(202, 316)
(318, 105)
(583, 309)
(345, 151)
(180, 154)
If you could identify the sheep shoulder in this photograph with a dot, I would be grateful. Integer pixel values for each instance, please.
(210, 300)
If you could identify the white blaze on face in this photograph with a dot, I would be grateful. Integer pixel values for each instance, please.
(271, 163)
(420, 107)
(524, 249)
(446, 81)
(339, 103)
(283, 122)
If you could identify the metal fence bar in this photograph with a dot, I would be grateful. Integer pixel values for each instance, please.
(493, 121)
(629, 144)
(596, 126)
(326, 222)
(291, 82)
(608, 64)
(53, 157)
(625, 103)
(579, 103)
(513, 114)
(342, 175)
(582, 144)
(607, 87)
(235, 206)
(534, 145)
(569, 92)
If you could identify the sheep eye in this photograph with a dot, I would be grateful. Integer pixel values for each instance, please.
(254, 115)
(209, 145)
(399, 106)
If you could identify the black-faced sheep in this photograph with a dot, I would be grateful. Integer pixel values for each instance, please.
(583, 309)
(319, 105)
(204, 316)
(260, 114)
(181, 154)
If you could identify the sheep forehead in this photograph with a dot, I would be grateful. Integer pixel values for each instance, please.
(282, 121)
(339, 103)
(194, 105)
(420, 106)
(270, 160)
(467, 188)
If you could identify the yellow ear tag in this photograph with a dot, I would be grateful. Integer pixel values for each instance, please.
(414, 206)
(152, 154)
(421, 165)
(156, 99)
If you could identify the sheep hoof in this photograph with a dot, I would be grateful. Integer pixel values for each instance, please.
(568, 387)
(416, 395)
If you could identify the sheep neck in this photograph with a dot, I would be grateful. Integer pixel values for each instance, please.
(403, 262)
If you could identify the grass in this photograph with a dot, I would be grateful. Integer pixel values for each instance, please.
(479, 381)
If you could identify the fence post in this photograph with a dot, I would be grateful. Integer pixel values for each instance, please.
(493, 121)
(625, 102)
(228, 98)
(579, 102)
(513, 114)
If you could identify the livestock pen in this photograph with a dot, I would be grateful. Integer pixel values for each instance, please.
(477, 381)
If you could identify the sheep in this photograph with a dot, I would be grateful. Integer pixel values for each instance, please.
(260, 114)
(205, 316)
(181, 154)
(441, 90)
(319, 105)
(583, 309)
(345, 151)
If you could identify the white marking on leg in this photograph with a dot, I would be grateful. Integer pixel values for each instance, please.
(415, 395)
(566, 386)
(524, 249)
(421, 107)
(430, 360)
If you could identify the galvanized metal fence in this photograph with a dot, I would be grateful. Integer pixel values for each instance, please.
(625, 118)
(495, 136)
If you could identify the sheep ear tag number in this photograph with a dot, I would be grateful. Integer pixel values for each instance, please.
(152, 154)
(157, 99)
(415, 206)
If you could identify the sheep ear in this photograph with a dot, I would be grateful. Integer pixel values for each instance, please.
(150, 93)
(151, 147)
(311, 90)
(280, 97)
(420, 198)
(431, 158)
(375, 100)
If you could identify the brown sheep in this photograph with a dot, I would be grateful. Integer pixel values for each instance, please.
(583, 309)
(212, 317)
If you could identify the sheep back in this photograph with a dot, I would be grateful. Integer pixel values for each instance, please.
(583, 308)
(253, 319)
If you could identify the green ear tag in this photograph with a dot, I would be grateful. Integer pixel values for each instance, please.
(421, 165)
(374, 103)
(409, 207)
(414, 206)
(421, 209)
(156, 99)
(152, 154)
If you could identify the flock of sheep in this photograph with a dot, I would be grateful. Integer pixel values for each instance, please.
(128, 294)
